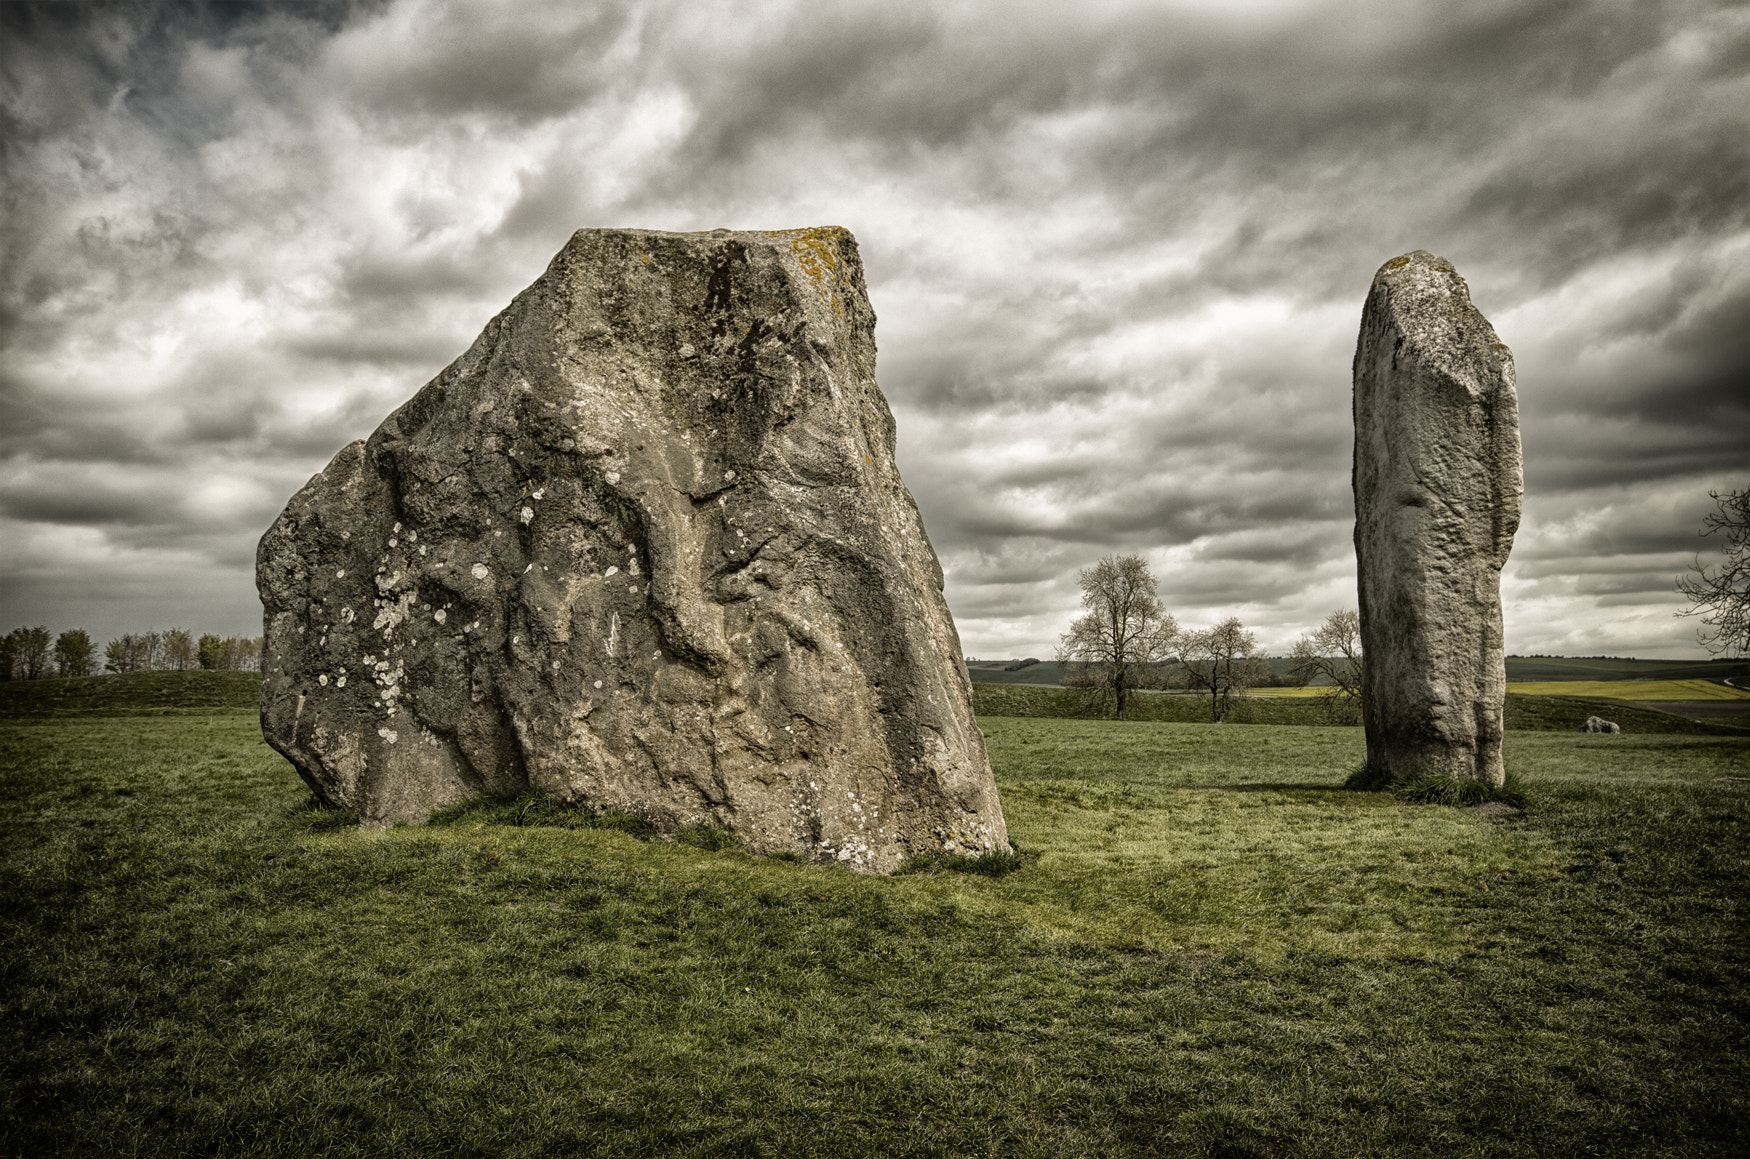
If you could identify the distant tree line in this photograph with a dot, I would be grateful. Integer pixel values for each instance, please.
(1126, 640)
(38, 654)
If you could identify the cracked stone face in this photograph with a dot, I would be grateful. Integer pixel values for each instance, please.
(643, 547)
(1438, 487)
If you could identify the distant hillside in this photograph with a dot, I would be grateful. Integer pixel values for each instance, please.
(132, 692)
(1049, 672)
(996, 672)
(1528, 669)
(1520, 670)
(1524, 713)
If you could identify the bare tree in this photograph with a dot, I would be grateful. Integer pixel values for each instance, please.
(75, 654)
(1124, 638)
(1333, 651)
(1222, 661)
(1720, 594)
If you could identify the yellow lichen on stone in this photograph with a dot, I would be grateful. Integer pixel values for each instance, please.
(815, 253)
(1392, 267)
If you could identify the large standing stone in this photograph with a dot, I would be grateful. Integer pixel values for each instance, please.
(1437, 496)
(644, 548)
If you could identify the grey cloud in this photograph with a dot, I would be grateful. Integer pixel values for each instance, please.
(1282, 541)
(1609, 526)
(1578, 207)
(822, 67)
(526, 62)
(43, 501)
(67, 431)
(1008, 570)
(157, 592)
(1151, 512)
(378, 342)
(1608, 575)
(1717, 330)
(155, 504)
(369, 277)
(1121, 174)
(1582, 452)
(1717, 400)
(547, 199)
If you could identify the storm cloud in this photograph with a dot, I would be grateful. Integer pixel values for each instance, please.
(1118, 253)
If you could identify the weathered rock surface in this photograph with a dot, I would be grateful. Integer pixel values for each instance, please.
(643, 547)
(1438, 487)
(1599, 724)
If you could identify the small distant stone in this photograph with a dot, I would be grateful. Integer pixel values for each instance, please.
(1599, 724)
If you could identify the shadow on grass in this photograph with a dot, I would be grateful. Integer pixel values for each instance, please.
(1274, 787)
(314, 815)
(535, 810)
(994, 864)
(1436, 790)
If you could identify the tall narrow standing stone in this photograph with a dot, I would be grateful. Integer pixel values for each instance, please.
(1438, 486)
(644, 548)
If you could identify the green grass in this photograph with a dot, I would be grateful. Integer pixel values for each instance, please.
(1207, 947)
(1529, 713)
(1433, 789)
(1568, 713)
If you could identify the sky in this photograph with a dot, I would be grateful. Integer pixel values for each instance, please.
(1118, 253)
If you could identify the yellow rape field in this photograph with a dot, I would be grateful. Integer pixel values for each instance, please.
(1633, 689)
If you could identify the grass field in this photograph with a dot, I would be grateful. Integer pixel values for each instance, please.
(1635, 690)
(1564, 668)
(133, 693)
(1526, 713)
(1210, 950)
(1520, 670)
(1597, 689)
